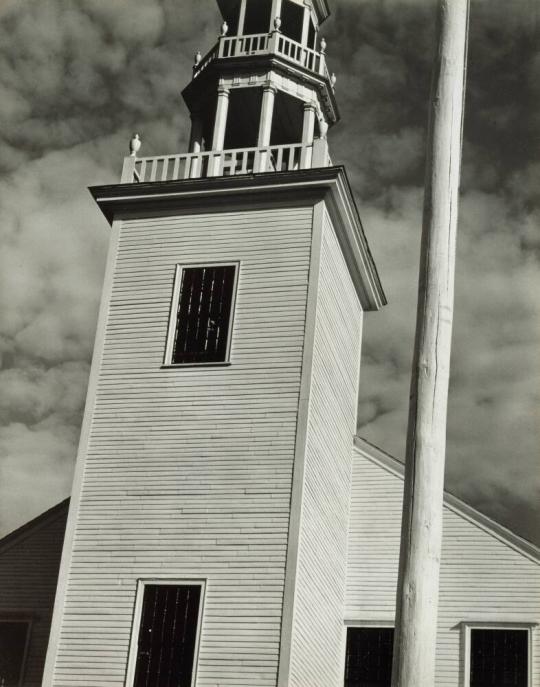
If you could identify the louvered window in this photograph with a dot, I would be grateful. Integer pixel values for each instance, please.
(203, 315)
(13, 642)
(499, 658)
(368, 661)
(167, 636)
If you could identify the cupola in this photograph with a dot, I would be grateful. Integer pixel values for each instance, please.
(261, 100)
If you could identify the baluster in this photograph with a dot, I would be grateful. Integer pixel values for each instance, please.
(290, 160)
(176, 168)
(245, 154)
(142, 171)
(153, 169)
(279, 162)
(165, 169)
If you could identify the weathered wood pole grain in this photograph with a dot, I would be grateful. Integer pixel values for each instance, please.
(421, 537)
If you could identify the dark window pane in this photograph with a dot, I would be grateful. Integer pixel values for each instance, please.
(204, 312)
(499, 658)
(312, 36)
(368, 661)
(167, 636)
(257, 18)
(292, 20)
(12, 646)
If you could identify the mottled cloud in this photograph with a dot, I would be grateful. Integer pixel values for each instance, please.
(494, 411)
(77, 78)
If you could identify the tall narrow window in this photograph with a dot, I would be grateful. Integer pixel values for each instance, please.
(203, 316)
(368, 662)
(499, 658)
(13, 641)
(167, 636)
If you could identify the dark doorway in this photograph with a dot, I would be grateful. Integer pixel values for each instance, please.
(368, 661)
(167, 636)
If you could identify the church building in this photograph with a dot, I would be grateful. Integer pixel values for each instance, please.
(226, 528)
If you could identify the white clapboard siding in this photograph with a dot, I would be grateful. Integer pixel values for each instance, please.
(318, 632)
(483, 577)
(188, 471)
(29, 563)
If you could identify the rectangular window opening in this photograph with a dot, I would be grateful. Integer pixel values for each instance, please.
(203, 307)
(368, 660)
(257, 19)
(168, 634)
(14, 635)
(499, 658)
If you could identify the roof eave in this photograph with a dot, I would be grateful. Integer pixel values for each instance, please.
(328, 183)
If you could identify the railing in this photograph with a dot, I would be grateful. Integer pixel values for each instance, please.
(235, 46)
(264, 44)
(284, 158)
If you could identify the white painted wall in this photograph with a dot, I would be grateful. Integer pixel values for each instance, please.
(188, 471)
(483, 578)
(317, 633)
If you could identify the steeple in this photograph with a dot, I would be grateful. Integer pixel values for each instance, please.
(261, 100)
(209, 517)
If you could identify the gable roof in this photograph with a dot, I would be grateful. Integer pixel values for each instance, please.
(34, 525)
(452, 503)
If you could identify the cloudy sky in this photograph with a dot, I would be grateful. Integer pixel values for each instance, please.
(77, 77)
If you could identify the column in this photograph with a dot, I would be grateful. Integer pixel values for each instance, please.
(195, 139)
(242, 17)
(308, 134)
(305, 26)
(195, 145)
(276, 12)
(220, 125)
(265, 128)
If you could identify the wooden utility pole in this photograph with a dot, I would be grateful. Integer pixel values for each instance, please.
(421, 537)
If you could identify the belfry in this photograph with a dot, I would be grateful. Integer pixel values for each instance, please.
(206, 542)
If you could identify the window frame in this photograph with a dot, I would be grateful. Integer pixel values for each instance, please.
(363, 625)
(173, 314)
(468, 626)
(22, 619)
(137, 617)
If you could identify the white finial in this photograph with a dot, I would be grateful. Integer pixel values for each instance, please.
(333, 80)
(135, 145)
(323, 46)
(198, 57)
(224, 29)
(277, 23)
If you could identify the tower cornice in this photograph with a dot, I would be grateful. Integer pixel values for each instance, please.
(330, 184)
(257, 64)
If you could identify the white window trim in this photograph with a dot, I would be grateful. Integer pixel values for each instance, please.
(173, 314)
(137, 616)
(466, 628)
(28, 622)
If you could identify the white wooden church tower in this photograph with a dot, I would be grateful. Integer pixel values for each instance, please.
(207, 533)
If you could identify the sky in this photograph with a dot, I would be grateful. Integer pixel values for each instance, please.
(78, 78)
